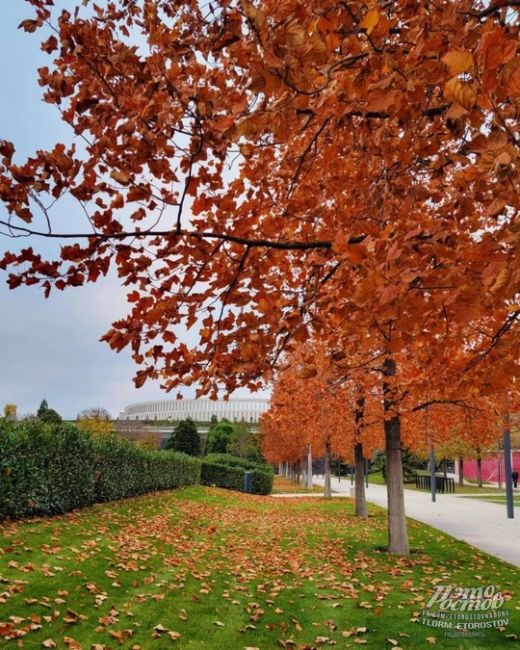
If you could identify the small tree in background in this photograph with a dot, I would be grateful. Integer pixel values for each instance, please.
(48, 415)
(219, 435)
(96, 420)
(151, 442)
(411, 463)
(44, 406)
(244, 443)
(185, 438)
(10, 412)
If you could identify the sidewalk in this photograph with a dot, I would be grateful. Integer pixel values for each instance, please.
(481, 524)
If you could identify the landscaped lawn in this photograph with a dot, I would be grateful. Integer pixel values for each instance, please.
(283, 485)
(467, 488)
(499, 498)
(206, 568)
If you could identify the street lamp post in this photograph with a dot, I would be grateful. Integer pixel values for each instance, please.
(507, 467)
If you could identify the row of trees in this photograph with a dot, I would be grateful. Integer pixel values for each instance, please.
(318, 409)
(236, 439)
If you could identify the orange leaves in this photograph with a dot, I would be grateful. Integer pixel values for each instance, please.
(120, 177)
(461, 92)
(295, 35)
(29, 26)
(512, 85)
(303, 178)
(458, 61)
(370, 20)
(308, 371)
(497, 48)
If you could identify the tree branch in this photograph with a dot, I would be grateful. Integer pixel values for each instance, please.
(253, 243)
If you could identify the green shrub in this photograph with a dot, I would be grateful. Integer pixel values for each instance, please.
(226, 471)
(218, 437)
(222, 476)
(236, 461)
(45, 469)
(185, 438)
(262, 482)
(48, 469)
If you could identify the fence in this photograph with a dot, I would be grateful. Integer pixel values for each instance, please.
(442, 484)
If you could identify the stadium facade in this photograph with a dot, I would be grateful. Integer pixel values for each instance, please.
(201, 409)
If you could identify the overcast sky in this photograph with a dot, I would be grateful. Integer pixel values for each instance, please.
(50, 348)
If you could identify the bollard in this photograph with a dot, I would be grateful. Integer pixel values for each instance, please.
(248, 482)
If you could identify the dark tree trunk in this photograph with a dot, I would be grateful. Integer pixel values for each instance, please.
(359, 461)
(397, 529)
(361, 504)
(327, 493)
(461, 470)
(479, 467)
(309, 467)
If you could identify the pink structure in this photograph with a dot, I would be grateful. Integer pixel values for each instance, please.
(492, 467)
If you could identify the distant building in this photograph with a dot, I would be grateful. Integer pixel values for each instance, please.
(200, 410)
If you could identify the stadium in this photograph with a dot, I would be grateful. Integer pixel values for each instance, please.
(200, 410)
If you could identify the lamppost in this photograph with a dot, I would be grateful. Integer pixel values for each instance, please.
(433, 479)
(507, 464)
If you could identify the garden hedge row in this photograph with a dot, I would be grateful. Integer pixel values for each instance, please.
(50, 469)
(226, 471)
(213, 474)
(235, 461)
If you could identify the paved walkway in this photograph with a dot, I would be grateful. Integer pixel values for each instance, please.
(482, 524)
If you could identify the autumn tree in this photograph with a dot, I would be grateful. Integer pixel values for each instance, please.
(96, 420)
(315, 406)
(370, 202)
(150, 441)
(10, 411)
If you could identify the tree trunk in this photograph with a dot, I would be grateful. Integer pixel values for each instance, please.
(361, 504)
(479, 467)
(461, 470)
(327, 493)
(309, 467)
(397, 529)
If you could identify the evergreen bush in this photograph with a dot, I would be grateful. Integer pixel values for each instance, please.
(48, 469)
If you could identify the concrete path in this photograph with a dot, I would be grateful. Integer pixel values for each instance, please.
(482, 524)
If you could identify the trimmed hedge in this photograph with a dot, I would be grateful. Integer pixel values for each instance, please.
(236, 461)
(227, 471)
(231, 478)
(262, 482)
(48, 469)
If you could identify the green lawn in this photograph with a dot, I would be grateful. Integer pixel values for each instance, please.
(206, 568)
(472, 489)
(376, 478)
(283, 485)
(500, 498)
